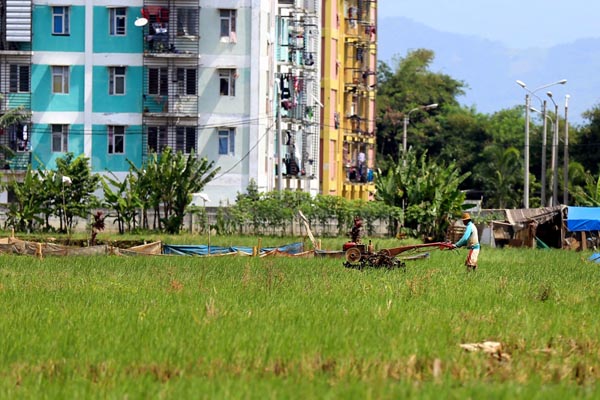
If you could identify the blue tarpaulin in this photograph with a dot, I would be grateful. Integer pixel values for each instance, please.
(202, 250)
(583, 219)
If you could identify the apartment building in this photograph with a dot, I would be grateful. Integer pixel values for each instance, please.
(236, 81)
(297, 107)
(348, 94)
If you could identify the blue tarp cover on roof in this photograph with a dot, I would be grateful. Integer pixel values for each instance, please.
(202, 250)
(583, 219)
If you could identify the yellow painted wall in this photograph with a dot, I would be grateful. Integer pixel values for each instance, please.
(342, 30)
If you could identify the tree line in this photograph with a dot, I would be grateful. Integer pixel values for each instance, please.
(488, 147)
(454, 151)
(163, 184)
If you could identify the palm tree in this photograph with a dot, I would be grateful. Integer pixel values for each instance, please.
(589, 194)
(500, 176)
(428, 193)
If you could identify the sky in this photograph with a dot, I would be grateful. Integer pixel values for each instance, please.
(518, 24)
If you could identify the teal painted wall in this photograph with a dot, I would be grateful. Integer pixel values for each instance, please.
(130, 102)
(41, 143)
(45, 100)
(42, 30)
(102, 161)
(132, 42)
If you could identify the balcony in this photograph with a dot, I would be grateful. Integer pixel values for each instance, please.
(172, 29)
(165, 106)
(19, 162)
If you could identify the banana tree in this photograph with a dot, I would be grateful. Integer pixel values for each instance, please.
(166, 183)
(588, 194)
(24, 211)
(429, 193)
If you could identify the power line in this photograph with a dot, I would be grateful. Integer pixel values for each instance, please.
(247, 153)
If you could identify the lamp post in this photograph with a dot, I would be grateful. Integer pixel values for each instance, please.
(545, 127)
(204, 197)
(66, 181)
(545, 117)
(566, 156)
(554, 154)
(526, 147)
(407, 119)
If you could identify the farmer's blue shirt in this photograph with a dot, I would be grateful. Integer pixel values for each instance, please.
(465, 237)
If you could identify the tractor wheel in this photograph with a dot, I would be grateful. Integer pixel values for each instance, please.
(353, 255)
(385, 252)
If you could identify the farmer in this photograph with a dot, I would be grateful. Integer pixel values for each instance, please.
(471, 239)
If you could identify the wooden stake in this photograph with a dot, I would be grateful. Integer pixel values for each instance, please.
(38, 251)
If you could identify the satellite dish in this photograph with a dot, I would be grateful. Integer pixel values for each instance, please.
(196, 197)
(140, 22)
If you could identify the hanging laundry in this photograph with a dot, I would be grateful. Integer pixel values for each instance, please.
(309, 112)
(360, 54)
(284, 83)
(163, 14)
(287, 104)
(296, 81)
(152, 12)
(309, 60)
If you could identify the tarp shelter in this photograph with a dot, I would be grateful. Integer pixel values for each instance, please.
(529, 227)
(583, 219)
(584, 224)
(203, 250)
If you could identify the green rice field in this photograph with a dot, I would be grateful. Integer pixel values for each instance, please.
(171, 327)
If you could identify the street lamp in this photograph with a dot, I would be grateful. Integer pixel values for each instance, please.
(545, 117)
(204, 197)
(407, 118)
(566, 155)
(66, 181)
(527, 105)
(554, 154)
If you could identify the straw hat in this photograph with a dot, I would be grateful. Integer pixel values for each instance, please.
(466, 216)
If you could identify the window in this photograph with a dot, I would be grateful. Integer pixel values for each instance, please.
(117, 21)
(186, 81)
(60, 20)
(19, 78)
(60, 138)
(116, 139)
(60, 80)
(158, 139)
(187, 22)
(185, 139)
(227, 82)
(226, 141)
(158, 81)
(228, 26)
(18, 137)
(116, 80)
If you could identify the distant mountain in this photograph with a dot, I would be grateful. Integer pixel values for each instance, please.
(490, 69)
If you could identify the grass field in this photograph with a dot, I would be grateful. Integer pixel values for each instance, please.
(243, 327)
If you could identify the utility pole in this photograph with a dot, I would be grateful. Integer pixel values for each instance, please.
(555, 160)
(526, 151)
(566, 156)
(278, 152)
(545, 127)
